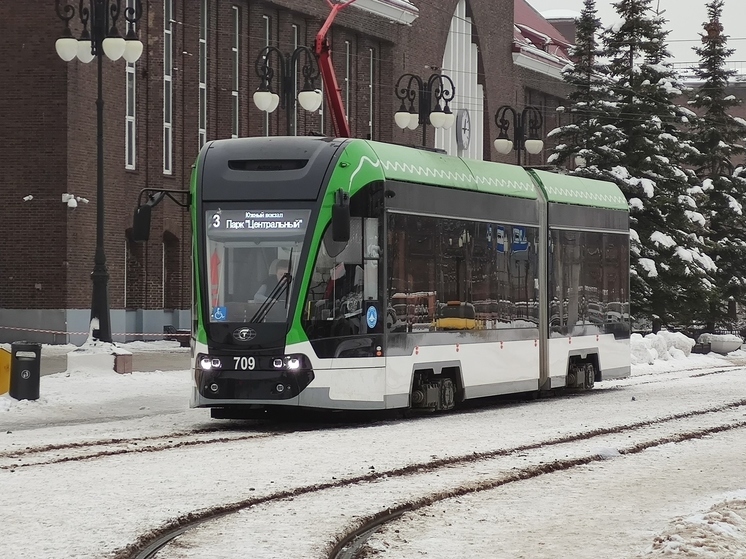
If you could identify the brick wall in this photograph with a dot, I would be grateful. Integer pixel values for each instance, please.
(34, 130)
(49, 127)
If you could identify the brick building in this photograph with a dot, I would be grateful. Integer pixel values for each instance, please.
(194, 83)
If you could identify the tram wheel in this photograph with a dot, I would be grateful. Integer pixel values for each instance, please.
(447, 394)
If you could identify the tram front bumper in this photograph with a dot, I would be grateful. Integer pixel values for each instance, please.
(254, 385)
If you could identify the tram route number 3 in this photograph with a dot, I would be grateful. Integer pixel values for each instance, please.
(244, 363)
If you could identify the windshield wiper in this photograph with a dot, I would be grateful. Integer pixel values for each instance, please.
(272, 298)
(290, 277)
(283, 286)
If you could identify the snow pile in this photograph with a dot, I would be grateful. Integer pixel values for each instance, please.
(664, 346)
(720, 532)
(711, 338)
(154, 346)
(94, 355)
(87, 393)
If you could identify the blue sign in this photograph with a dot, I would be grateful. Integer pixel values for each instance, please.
(520, 242)
(371, 317)
(500, 238)
(219, 314)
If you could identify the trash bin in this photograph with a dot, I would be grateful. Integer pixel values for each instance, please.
(25, 370)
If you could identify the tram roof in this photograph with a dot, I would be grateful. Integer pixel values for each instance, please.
(581, 191)
(368, 160)
(409, 164)
(430, 167)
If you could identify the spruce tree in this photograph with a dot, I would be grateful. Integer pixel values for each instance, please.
(717, 140)
(671, 274)
(592, 134)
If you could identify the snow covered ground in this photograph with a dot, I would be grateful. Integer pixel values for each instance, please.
(686, 499)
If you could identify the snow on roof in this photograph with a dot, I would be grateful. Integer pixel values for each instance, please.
(535, 37)
(401, 11)
(525, 14)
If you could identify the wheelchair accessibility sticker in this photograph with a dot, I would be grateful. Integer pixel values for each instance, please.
(219, 314)
(371, 317)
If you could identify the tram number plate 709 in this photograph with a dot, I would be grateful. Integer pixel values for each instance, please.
(244, 363)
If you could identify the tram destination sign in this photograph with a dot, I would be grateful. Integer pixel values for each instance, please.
(257, 221)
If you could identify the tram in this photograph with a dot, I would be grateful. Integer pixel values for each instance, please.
(348, 274)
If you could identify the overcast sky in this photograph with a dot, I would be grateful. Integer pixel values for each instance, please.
(685, 19)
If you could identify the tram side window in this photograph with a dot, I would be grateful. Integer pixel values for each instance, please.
(342, 311)
(340, 277)
(520, 255)
(417, 271)
(586, 271)
(450, 274)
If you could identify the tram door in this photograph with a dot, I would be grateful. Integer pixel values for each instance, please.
(344, 315)
(354, 289)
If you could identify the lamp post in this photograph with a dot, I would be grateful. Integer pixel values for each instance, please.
(438, 88)
(265, 97)
(101, 39)
(528, 140)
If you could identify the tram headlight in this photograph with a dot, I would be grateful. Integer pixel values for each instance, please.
(293, 363)
(208, 363)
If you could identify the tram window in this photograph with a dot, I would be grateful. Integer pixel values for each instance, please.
(371, 255)
(489, 269)
(336, 291)
(267, 164)
(344, 295)
(240, 259)
(333, 248)
(585, 283)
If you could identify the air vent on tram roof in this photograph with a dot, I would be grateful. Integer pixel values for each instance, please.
(267, 164)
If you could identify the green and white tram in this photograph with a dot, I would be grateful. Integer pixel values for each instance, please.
(349, 274)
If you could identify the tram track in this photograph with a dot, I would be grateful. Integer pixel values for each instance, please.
(659, 431)
(659, 377)
(81, 451)
(351, 545)
(73, 451)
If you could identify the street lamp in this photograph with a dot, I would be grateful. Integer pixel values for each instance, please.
(103, 38)
(265, 97)
(529, 141)
(439, 87)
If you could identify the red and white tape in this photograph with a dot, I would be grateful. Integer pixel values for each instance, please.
(86, 333)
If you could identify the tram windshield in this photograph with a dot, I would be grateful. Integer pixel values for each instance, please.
(252, 257)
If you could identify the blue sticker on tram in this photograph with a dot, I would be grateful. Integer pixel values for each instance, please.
(219, 314)
(371, 317)
(520, 241)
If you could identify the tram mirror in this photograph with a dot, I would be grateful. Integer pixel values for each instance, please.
(141, 224)
(341, 217)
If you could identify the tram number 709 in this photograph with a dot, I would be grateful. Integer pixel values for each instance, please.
(244, 363)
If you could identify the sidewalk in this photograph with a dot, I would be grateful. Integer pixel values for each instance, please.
(142, 362)
(146, 357)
